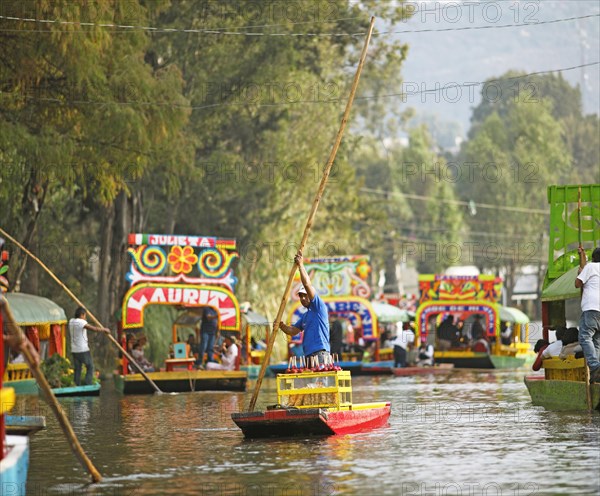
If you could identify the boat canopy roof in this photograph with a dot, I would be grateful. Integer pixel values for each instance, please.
(32, 310)
(511, 314)
(387, 313)
(256, 319)
(562, 288)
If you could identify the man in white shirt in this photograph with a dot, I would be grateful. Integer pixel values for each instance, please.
(80, 349)
(404, 338)
(589, 323)
(228, 356)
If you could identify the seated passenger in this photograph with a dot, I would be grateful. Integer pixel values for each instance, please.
(138, 354)
(506, 334)
(481, 344)
(425, 355)
(571, 344)
(229, 354)
(548, 350)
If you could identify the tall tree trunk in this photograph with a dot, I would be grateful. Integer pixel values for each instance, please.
(391, 278)
(32, 202)
(124, 216)
(106, 261)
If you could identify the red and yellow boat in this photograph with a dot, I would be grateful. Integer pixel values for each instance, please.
(313, 404)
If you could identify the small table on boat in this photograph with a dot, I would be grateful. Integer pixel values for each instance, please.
(174, 362)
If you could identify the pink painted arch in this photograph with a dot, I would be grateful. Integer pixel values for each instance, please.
(184, 295)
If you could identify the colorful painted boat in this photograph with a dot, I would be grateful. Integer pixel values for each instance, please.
(14, 450)
(44, 323)
(203, 278)
(313, 404)
(182, 381)
(574, 219)
(467, 299)
(341, 282)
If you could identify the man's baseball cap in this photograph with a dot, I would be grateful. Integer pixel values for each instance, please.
(302, 289)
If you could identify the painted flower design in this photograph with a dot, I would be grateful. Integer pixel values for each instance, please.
(182, 259)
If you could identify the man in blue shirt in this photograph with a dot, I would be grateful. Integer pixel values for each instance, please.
(314, 322)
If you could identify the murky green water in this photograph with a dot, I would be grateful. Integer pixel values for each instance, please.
(470, 433)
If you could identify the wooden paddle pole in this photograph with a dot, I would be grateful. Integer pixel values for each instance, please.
(311, 216)
(579, 228)
(96, 321)
(582, 262)
(20, 342)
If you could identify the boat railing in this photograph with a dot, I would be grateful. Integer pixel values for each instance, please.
(17, 372)
(330, 389)
(567, 369)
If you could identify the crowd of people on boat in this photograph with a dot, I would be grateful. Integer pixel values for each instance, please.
(582, 342)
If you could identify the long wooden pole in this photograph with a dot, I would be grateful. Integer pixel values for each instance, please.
(311, 216)
(15, 332)
(582, 262)
(96, 321)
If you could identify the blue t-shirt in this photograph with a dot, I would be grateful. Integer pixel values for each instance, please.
(315, 324)
(209, 326)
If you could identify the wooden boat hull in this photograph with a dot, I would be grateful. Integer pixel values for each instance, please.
(14, 466)
(23, 386)
(375, 368)
(562, 395)
(184, 381)
(412, 371)
(24, 425)
(292, 422)
(475, 360)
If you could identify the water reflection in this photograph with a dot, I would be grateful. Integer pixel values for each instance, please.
(468, 431)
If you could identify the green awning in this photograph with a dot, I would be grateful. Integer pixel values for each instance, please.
(562, 288)
(32, 310)
(512, 314)
(387, 313)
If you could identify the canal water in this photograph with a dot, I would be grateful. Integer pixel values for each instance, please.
(468, 433)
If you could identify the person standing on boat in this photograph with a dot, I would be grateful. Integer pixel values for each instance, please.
(80, 349)
(588, 280)
(336, 337)
(314, 322)
(208, 333)
(404, 339)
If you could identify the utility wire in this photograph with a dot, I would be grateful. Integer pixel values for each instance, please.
(222, 31)
(295, 102)
(452, 202)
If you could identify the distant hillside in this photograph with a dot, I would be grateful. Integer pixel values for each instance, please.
(476, 55)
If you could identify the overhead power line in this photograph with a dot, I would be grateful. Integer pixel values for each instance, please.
(453, 202)
(438, 88)
(227, 32)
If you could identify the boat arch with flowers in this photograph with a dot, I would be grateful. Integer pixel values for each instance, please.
(471, 306)
(342, 284)
(188, 273)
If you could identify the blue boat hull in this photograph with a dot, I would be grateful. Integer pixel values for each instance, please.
(92, 390)
(14, 466)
